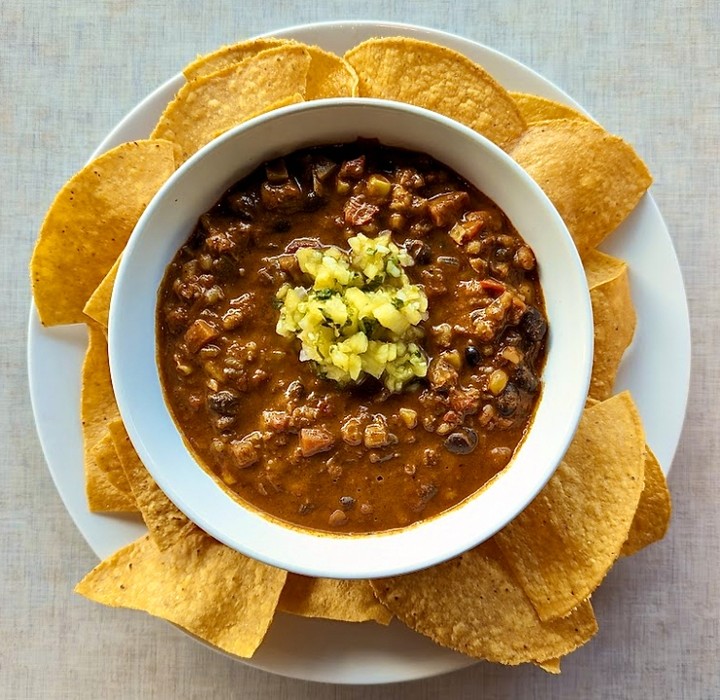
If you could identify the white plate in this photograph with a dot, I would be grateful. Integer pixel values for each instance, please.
(338, 652)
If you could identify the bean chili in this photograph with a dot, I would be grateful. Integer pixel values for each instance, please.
(353, 458)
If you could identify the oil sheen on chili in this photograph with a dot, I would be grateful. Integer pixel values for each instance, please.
(352, 456)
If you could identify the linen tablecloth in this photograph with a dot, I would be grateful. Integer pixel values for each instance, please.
(69, 71)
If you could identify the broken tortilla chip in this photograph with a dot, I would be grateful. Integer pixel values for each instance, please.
(539, 109)
(474, 605)
(216, 593)
(563, 544)
(227, 56)
(166, 524)
(217, 102)
(89, 223)
(593, 178)
(614, 319)
(332, 599)
(550, 666)
(439, 79)
(652, 516)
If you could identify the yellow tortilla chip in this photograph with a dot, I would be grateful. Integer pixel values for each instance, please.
(329, 76)
(614, 319)
(439, 79)
(217, 102)
(563, 544)
(218, 594)
(227, 56)
(284, 102)
(332, 599)
(89, 223)
(166, 523)
(98, 407)
(539, 109)
(98, 305)
(550, 666)
(652, 516)
(104, 495)
(474, 605)
(97, 410)
(106, 458)
(593, 178)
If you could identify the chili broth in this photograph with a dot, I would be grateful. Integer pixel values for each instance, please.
(352, 457)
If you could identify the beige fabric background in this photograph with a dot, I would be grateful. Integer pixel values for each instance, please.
(70, 70)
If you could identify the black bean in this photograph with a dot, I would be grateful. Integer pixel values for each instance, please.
(472, 356)
(524, 378)
(533, 325)
(242, 204)
(461, 442)
(226, 403)
(347, 502)
(419, 251)
(508, 401)
(295, 391)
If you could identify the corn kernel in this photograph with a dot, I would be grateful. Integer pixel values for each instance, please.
(408, 417)
(497, 382)
(378, 186)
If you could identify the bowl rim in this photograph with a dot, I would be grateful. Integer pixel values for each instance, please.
(321, 553)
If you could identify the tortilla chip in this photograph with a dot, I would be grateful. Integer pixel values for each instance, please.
(593, 178)
(439, 79)
(98, 407)
(474, 605)
(218, 594)
(89, 223)
(329, 76)
(332, 599)
(97, 410)
(98, 305)
(563, 544)
(217, 102)
(166, 523)
(102, 487)
(550, 666)
(539, 109)
(284, 102)
(652, 516)
(227, 56)
(106, 458)
(614, 319)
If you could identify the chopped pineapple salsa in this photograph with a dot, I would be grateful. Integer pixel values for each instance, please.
(362, 314)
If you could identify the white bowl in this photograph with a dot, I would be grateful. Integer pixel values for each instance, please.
(169, 220)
